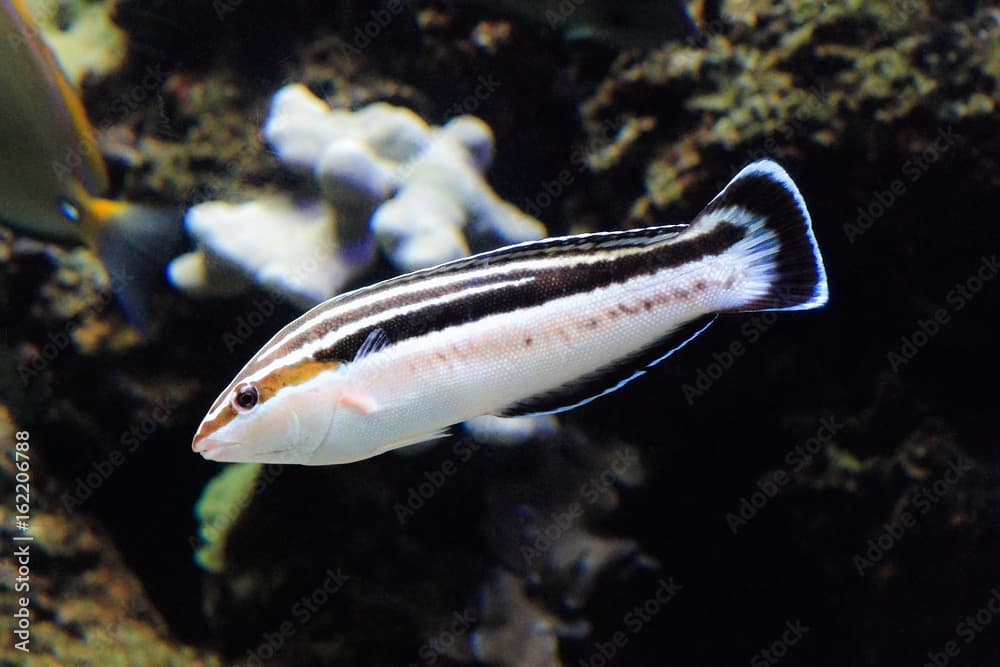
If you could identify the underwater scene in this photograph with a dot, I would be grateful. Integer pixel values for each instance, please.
(524, 334)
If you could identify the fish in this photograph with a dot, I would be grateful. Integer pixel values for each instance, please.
(534, 328)
(628, 24)
(52, 174)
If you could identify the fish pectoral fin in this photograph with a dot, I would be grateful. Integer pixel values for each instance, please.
(376, 340)
(610, 378)
(358, 400)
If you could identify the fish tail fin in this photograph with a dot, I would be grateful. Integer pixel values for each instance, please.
(781, 264)
(134, 243)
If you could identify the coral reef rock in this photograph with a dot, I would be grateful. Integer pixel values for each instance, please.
(83, 601)
(82, 35)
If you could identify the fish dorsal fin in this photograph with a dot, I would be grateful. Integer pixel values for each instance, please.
(610, 378)
(557, 245)
(376, 340)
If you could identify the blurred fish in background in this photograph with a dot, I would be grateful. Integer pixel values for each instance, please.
(52, 174)
(623, 24)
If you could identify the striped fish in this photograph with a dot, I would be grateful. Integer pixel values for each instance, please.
(533, 328)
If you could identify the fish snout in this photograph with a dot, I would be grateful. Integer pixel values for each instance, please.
(212, 448)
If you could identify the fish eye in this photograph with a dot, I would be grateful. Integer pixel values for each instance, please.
(70, 210)
(245, 398)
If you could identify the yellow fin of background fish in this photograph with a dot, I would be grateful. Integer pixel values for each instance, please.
(52, 174)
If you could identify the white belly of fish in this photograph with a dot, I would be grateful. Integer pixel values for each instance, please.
(413, 390)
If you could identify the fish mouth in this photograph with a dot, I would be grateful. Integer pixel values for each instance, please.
(213, 449)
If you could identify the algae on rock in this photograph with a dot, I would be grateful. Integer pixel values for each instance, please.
(786, 79)
(84, 600)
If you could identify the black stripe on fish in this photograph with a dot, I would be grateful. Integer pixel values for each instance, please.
(545, 284)
(368, 300)
(365, 301)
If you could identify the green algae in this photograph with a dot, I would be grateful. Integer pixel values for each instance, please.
(787, 78)
(225, 497)
(84, 601)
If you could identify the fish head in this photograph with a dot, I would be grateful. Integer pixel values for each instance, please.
(271, 415)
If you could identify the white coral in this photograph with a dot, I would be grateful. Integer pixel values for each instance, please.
(425, 183)
(382, 171)
(286, 247)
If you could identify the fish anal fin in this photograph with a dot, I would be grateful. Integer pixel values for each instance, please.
(610, 378)
(415, 440)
